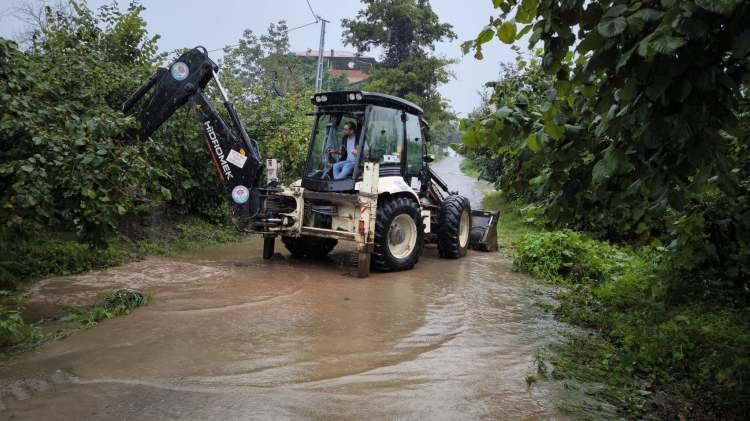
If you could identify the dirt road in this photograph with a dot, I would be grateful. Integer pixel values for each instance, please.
(229, 336)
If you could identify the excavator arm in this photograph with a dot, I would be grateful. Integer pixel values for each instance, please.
(234, 154)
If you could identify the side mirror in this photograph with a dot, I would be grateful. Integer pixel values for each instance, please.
(428, 158)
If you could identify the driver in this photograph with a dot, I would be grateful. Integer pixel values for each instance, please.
(348, 153)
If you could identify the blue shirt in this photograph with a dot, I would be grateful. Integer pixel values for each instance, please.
(351, 146)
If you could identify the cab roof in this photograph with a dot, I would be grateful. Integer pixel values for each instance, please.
(339, 98)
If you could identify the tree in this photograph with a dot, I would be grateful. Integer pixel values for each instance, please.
(639, 131)
(406, 31)
(652, 96)
(268, 64)
(271, 88)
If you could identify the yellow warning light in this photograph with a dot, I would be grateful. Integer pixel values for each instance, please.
(242, 151)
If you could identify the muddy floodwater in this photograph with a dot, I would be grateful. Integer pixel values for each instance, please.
(229, 336)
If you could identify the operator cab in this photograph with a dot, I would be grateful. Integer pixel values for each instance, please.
(381, 123)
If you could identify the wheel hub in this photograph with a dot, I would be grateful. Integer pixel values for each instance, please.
(402, 236)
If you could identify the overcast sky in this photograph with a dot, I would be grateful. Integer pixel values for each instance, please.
(216, 23)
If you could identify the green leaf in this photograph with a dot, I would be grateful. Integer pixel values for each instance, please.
(507, 32)
(647, 15)
(470, 139)
(527, 11)
(87, 191)
(503, 112)
(553, 130)
(592, 41)
(722, 7)
(166, 194)
(533, 142)
(662, 45)
(525, 30)
(563, 88)
(27, 168)
(588, 90)
(486, 35)
(613, 27)
(608, 165)
(615, 11)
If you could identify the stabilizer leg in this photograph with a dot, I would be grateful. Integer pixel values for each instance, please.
(268, 244)
(363, 264)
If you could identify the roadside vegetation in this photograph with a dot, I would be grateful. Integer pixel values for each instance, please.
(621, 151)
(16, 335)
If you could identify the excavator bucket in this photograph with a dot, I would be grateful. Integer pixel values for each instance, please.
(484, 230)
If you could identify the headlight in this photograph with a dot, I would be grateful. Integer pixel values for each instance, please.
(351, 97)
(359, 97)
(324, 98)
(317, 99)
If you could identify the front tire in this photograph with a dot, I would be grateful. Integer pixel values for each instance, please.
(305, 246)
(454, 224)
(399, 235)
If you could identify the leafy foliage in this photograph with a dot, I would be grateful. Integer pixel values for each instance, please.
(114, 304)
(13, 329)
(631, 122)
(267, 65)
(697, 353)
(271, 88)
(628, 134)
(60, 167)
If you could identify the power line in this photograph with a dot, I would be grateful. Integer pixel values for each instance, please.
(301, 26)
(315, 15)
(236, 45)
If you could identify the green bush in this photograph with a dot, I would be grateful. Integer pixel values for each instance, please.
(28, 252)
(563, 255)
(14, 331)
(698, 353)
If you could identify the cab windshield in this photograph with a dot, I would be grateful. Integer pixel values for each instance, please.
(336, 135)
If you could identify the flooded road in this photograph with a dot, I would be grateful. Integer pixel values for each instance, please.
(230, 336)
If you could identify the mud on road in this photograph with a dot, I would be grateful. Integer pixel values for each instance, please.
(230, 336)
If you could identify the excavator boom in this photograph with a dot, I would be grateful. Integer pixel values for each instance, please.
(235, 156)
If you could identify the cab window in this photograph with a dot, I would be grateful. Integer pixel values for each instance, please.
(385, 135)
(327, 143)
(414, 149)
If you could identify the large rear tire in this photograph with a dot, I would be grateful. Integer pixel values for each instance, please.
(454, 222)
(399, 235)
(304, 246)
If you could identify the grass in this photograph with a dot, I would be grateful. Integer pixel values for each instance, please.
(468, 167)
(512, 225)
(17, 336)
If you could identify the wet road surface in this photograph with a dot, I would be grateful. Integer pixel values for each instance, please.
(230, 336)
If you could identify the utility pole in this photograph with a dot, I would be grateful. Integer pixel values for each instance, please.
(319, 73)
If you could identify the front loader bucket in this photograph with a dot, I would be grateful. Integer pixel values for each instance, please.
(484, 230)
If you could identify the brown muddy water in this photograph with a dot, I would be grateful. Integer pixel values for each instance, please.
(230, 336)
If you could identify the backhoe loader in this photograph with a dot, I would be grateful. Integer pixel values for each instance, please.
(389, 203)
